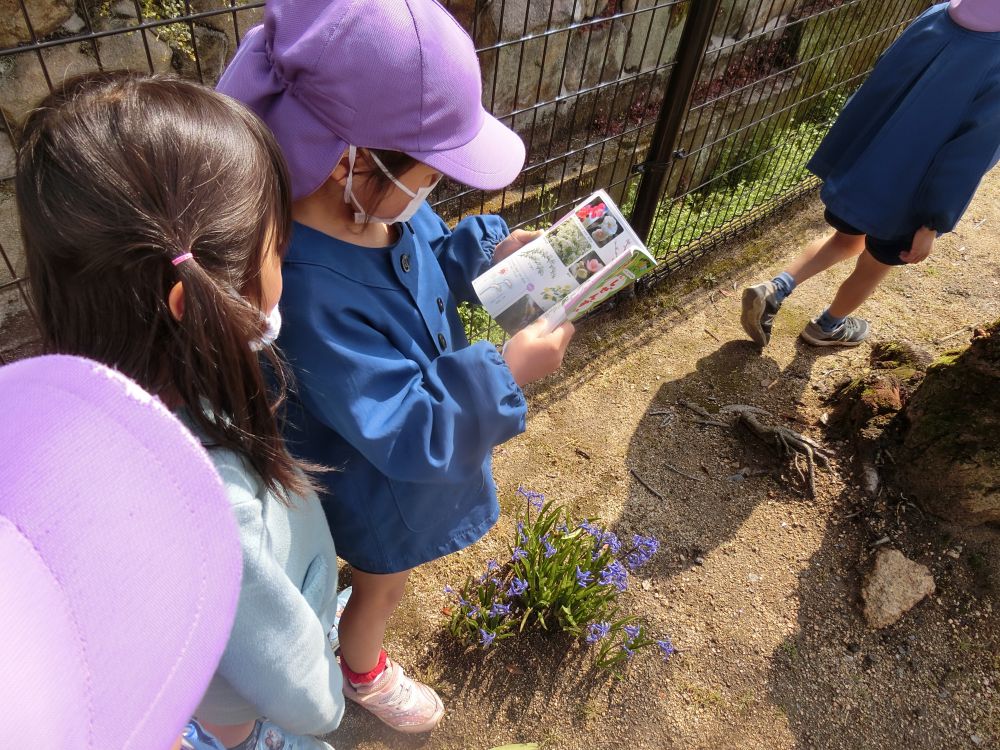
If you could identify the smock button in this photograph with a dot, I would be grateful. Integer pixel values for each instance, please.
(404, 263)
(440, 304)
(442, 341)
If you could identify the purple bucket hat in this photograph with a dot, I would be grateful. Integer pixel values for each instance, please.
(120, 561)
(389, 74)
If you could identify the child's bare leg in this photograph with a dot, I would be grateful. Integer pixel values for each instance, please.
(229, 735)
(858, 287)
(825, 253)
(374, 597)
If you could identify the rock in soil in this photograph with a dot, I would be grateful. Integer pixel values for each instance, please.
(894, 585)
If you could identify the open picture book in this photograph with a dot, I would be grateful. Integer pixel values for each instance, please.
(586, 257)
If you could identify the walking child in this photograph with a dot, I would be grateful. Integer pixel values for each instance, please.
(899, 166)
(373, 102)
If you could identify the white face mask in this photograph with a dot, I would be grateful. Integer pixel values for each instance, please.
(273, 319)
(361, 216)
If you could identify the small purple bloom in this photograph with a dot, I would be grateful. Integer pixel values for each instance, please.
(562, 527)
(517, 587)
(588, 527)
(462, 601)
(492, 565)
(519, 554)
(597, 630)
(615, 575)
(645, 548)
(583, 577)
(666, 648)
(449, 590)
(486, 638)
(473, 611)
(549, 549)
(499, 610)
(611, 540)
(521, 536)
(535, 499)
(632, 631)
(629, 653)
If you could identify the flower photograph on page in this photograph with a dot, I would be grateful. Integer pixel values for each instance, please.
(569, 241)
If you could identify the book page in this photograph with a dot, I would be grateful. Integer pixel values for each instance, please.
(582, 246)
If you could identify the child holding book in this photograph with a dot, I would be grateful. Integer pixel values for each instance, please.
(372, 103)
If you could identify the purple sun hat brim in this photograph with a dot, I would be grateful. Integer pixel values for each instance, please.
(120, 556)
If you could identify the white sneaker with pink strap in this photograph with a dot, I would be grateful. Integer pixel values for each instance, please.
(399, 701)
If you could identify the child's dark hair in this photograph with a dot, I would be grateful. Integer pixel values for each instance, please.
(118, 175)
(396, 162)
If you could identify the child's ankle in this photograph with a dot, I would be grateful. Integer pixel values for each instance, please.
(784, 284)
(828, 322)
(363, 678)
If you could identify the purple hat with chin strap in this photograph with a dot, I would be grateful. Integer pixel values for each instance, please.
(387, 74)
(120, 561)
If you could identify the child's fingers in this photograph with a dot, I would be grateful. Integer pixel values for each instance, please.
(562, 334)
(525, 236)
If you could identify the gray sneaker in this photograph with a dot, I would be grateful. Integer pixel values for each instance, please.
(760, 305)
(849, 333)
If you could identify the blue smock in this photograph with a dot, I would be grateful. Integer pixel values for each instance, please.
(911, 146)
(391, 394)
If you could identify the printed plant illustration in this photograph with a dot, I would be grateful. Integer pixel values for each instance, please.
(556, 293)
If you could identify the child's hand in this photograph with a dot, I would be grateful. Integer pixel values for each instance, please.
(923, 240)
(517, 239)
(531, 354)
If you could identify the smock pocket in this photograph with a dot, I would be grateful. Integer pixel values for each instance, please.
(314, 584)
(422, 507)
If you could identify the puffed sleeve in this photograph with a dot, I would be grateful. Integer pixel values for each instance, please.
(464, 252)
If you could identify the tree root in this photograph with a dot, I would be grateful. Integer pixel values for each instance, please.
(787, 443)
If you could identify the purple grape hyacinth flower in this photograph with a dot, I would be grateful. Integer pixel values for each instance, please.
(517, 587)
(583, 577)
(666, 648)
(499, 610)
(519, 554)
(486, 638)
(597, 630)
(535, 499)
(615, 575)
(549, 549)
(632, 631)
(492, 565)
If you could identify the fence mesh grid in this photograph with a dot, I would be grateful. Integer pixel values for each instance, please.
(582, 81)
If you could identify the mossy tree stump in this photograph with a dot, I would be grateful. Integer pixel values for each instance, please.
(950, 458)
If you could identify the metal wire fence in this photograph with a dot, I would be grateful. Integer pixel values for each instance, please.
(698, 116)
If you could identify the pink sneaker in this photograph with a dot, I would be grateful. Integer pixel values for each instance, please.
(403, 703)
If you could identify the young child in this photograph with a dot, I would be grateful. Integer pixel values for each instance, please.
(372, 102)
(99, 544)
(154, 214)
(900, 165)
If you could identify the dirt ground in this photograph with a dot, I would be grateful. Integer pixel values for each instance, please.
(757, 584)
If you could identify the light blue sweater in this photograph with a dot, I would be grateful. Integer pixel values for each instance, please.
(278, 662)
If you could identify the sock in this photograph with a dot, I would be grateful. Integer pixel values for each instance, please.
(784, 285)
(365, 678)
(828, 322)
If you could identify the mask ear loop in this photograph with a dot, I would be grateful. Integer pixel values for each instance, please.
(360, 216)
(390, 175)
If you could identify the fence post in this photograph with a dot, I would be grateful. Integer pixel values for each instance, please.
(690, 53)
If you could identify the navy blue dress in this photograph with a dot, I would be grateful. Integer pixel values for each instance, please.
(391, 394)
(913, 143)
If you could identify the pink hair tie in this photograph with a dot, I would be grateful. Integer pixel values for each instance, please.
(181, 258)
